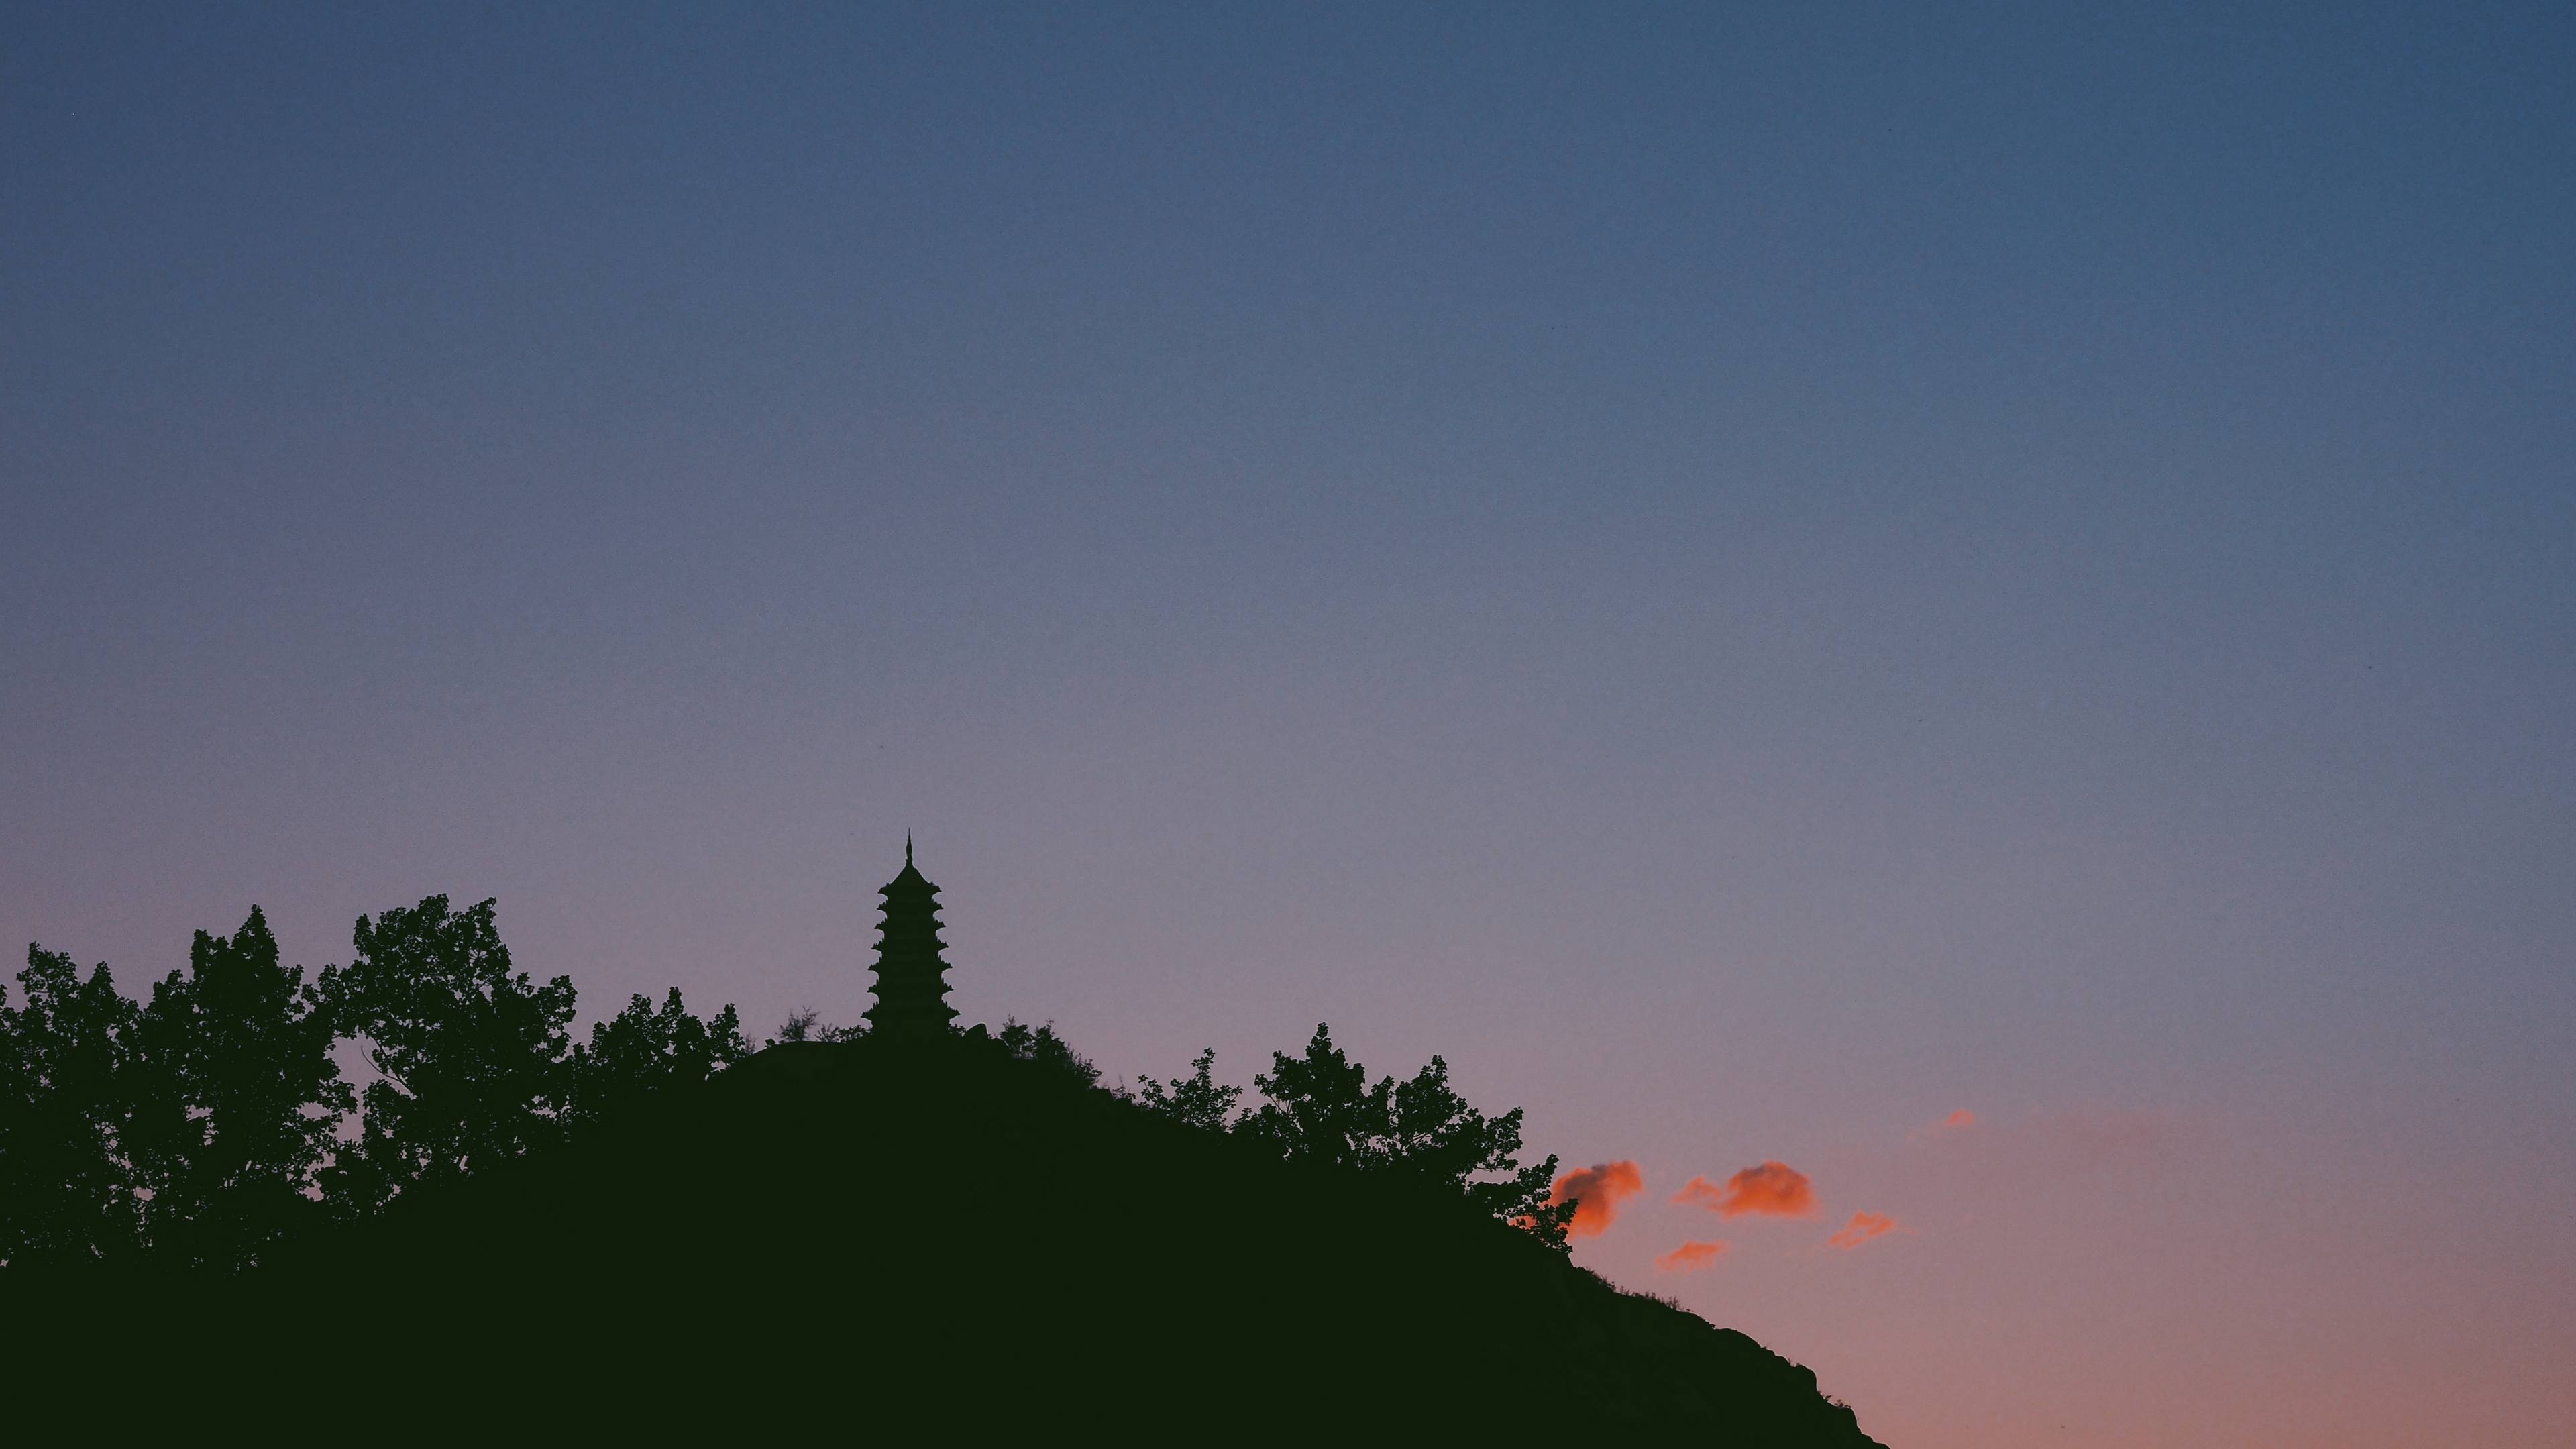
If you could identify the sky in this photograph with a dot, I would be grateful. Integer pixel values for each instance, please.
(1978, 603)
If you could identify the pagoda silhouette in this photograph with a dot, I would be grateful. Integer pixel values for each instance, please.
(912, 986)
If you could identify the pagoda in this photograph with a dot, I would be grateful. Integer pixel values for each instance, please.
(912, 989)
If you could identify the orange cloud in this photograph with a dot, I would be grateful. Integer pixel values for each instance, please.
(1862, 1228)
(1961, 1118)
(1595, 1193)
(1774, 1189)
(1691, 1257)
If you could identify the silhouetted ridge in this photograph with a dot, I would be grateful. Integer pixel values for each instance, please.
(900, 1226)
(660, 1230)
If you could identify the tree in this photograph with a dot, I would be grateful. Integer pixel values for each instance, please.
(1198, 1100)
(234, 1099)
(1042, 1046)
(641, 1051)
(1433, 1133)
(806, 1024)
(65, 1193)
(1321, 1107)
(476, 1060)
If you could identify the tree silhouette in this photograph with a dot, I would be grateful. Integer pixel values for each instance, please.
(65, 1194)
(199, 1124)
(1043, 1046)
(1322, 1108)
(641, 1051)
(1433, 1133)
(1198, 1100)
(476, 1060)
(233, 1099)
(807, 1024)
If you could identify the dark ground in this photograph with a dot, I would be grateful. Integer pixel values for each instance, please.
(846, 1239)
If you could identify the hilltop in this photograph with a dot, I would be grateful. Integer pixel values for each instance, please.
(830, 1235)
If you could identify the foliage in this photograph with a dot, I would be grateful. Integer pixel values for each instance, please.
(1197, 1100)
(1321, 1107)
(202, 1124)
(476, 1060)
(1432, 1132)
(233, 1099)
(807, 1024)
(1043, 1046)
(641, 1051)
(65, 1193)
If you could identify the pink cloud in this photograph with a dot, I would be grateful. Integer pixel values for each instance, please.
(1862, 1228)
(1595, 1192)
(1691, 1257)
(1773, 1189)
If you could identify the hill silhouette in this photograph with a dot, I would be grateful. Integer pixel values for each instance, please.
(904, 1225)
(830, 1235)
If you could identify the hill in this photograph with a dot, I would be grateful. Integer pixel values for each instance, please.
(834, 1236)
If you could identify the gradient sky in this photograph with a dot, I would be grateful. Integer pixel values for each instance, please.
(1753, 579)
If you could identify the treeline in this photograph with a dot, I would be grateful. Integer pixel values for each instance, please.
(202, 1125)
(1320, 1107)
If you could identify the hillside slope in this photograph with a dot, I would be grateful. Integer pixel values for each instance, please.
(845, 1238)
(836, 1229)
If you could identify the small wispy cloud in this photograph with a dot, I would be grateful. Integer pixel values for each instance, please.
(1862, 1228)
(1950, 1126)
(1691, 1257)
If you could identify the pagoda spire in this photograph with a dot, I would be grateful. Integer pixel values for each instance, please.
(911, 989)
